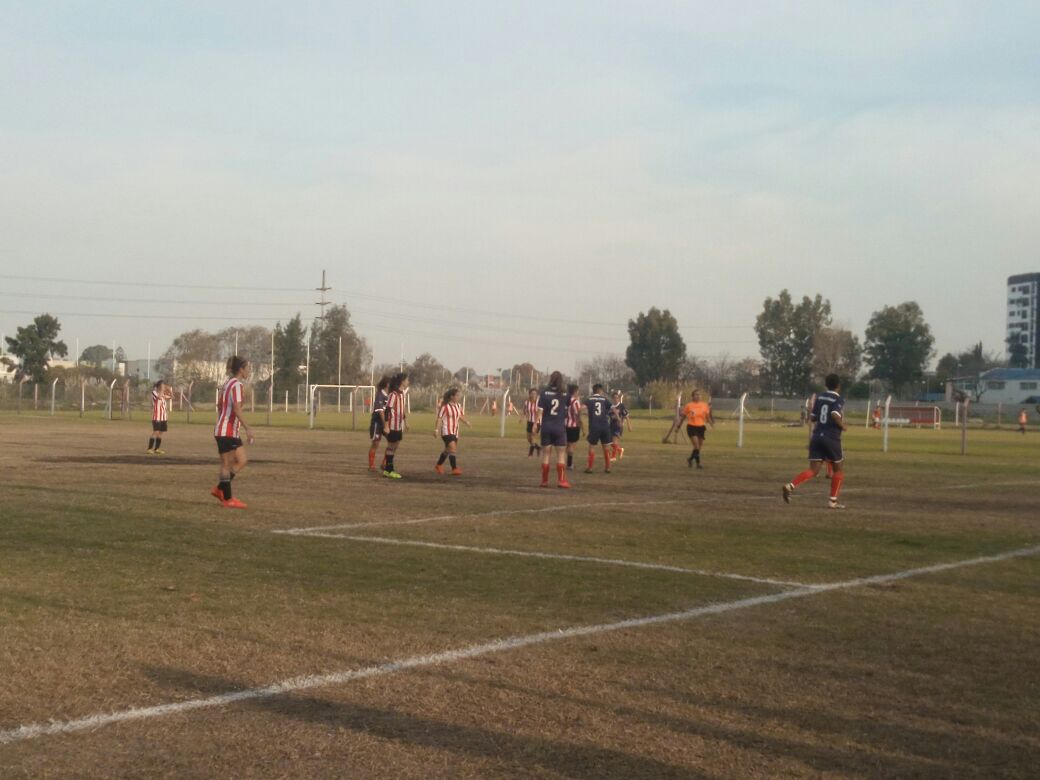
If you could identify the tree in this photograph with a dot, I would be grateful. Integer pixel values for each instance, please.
(786, 334)
(326, 338)
(97, 355)
(836, 351)
(34, 346)
(290, 352)
(656, 350)
(898, 344)
(1018, 353)
(466, 374)
(523, 375)
(970, 362)
(610, 370)
(426, 371)
(194, 356)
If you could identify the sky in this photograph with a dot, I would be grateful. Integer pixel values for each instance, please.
(498, 183)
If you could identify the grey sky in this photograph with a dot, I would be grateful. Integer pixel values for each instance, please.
(551, 162)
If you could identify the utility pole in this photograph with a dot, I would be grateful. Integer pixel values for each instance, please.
(323, 303)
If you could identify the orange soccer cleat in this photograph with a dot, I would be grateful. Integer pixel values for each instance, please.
(218, 494)
(439, 468)
(456, 472)
(564, 484)
(234, 503)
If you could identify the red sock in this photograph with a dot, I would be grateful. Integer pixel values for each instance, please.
(805, 476)
(592, 458)
(371, 459)
(606, 458)
(545, 472)
(561, 472)
(836, 480)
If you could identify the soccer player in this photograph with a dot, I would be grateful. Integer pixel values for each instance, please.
(160, 393)
(573, 423)
(825, 443)
(698, 418)
(377, 424)
(447, 426)
(1023, 418)
(618, 420)
(229, 419)
(395, 422)
(598, 407)
(531, 415)
(552, 424)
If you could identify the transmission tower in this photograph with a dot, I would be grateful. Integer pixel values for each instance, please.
(322, 303)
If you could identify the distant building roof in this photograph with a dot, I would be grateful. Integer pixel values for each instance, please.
(1005, 374)
(1019, 278)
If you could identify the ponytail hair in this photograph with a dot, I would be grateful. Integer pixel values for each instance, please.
(451, 391)
(556, 381)
(384, 382)
(157, 385)
(396, 380)
(572, 389)
(236, 364)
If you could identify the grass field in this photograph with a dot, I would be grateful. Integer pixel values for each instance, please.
(655, 622)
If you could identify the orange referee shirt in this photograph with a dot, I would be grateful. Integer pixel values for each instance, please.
(696, 413)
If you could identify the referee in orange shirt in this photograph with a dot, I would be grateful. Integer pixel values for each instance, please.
(698, 417)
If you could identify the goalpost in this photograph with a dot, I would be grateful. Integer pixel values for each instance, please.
(364, 391)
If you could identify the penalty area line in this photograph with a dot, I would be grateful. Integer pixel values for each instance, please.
(36, 730)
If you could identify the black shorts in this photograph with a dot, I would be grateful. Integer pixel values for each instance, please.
(554, 437)
(394, 436)
(616, 431)
(160, 425)
(449, 439)
(700, 431)
(573, 435)
(825, 448)
(227, 443)
(530, 427)
(599, 436)
(375, 428)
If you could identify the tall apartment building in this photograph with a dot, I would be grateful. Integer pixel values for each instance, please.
(1023, 314)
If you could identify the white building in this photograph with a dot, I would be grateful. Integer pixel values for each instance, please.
(1009, 386)
(1023, 314)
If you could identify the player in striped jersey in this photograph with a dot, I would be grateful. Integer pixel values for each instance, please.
(395, 415)
(573, 423)
(449, 415)
(597, 406)
(161, 392)
(229, 419)
(552, 423)
(377, 423)
(531, 416)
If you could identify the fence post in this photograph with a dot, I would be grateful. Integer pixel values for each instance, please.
(740, 423)
(353, 410)
(310, 405)
(287, 402)
(964, 428)
(54, 386)
(505, 406)
(36, 396)
(111, 390)
(82, 395)
(884, 437)
(188, 399)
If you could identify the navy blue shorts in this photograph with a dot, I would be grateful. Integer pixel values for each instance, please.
(599, 436)
(552, 437)
(573, 435)
(825, 448)
(375, 428)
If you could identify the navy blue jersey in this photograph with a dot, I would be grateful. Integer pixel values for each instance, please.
(828, 403)
(620, 411)
(554, 409)
(380, 403)
(599, 410)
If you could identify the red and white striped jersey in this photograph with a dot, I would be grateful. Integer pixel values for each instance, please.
(158, 407)
(531, 411)
(449, 416)
(573, 413)
(227, 420)
(395, 413)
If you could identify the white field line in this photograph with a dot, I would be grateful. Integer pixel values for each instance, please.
(558, 557)
(34, 730)
(501, 512)
(970, 486)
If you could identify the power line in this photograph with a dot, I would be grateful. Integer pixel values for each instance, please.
(122, 283)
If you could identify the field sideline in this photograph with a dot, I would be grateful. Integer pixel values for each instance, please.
(654, 622)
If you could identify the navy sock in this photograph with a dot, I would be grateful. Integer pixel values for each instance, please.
(454, 462)
(225, 488)
(442, 458)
